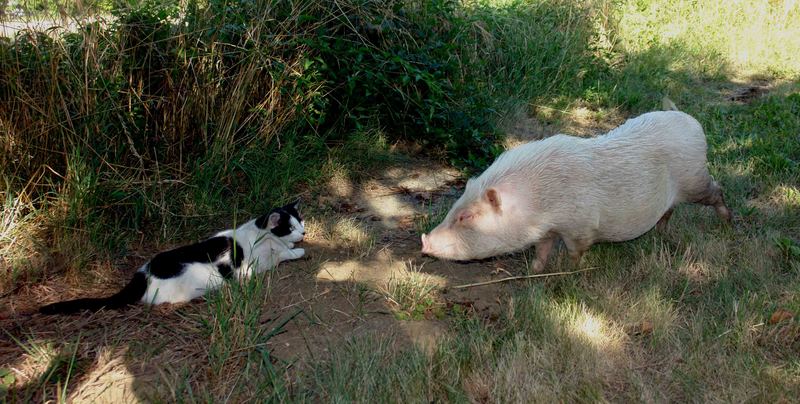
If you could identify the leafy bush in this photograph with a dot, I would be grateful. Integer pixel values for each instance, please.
(150, 116)
(161, 84)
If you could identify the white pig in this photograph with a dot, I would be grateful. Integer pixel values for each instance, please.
(613, 187)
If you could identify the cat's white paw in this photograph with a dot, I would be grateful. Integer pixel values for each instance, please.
(292, 254)
(298, 253)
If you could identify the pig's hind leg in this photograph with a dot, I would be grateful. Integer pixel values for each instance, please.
(662, 223)
(543, 248)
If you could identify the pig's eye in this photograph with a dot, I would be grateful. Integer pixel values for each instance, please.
(464, 216)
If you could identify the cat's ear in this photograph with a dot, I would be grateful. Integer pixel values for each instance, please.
(296, 204)
(274, 219)
(268, 221)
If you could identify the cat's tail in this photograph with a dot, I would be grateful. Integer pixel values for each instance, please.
(130, 294)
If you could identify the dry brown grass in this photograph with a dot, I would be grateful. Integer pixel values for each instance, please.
(697, 312)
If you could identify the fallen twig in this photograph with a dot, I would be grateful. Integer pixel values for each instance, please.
(514, 278)
(323, 293)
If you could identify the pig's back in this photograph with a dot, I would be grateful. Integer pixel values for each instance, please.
(643, 168)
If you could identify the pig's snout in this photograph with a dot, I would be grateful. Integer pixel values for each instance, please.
(426, 248)
(441, 244)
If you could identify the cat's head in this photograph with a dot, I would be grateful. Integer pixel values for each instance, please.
(284, 222)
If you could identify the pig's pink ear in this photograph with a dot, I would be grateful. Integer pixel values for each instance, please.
(493, 198)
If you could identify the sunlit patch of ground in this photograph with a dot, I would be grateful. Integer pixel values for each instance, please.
(544, 121)
(363, 272)
(108, 381)
(642, 319)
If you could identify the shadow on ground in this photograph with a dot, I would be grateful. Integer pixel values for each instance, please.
(362, 258)
(362, 254)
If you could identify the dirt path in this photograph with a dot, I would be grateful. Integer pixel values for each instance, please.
(363, 274)
(365, 260)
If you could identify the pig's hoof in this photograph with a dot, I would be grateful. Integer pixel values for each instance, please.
(725, 214)
(538, 267)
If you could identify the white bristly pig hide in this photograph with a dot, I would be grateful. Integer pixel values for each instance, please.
(613, 187)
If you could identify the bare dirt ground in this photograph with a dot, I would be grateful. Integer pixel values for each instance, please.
(362, 260)
(362, 275)
(348, 284)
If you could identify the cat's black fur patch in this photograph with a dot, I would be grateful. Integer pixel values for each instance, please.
(237, 255)
(226, 270)
(292, 210)
(284, 226)
(169, 264)
(263, 221)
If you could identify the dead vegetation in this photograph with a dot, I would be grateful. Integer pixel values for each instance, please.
(693, 312)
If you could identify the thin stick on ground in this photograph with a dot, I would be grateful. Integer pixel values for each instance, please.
(515, 278)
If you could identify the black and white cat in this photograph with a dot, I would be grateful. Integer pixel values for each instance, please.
(188, 272)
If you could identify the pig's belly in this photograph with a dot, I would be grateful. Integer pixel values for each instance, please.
(623, 225)
(625, 233)
(633, 205)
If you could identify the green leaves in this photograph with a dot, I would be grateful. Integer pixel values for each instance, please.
(789, 247)
(7, 380)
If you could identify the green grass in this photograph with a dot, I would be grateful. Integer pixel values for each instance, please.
(239, 361)
(43, 9)
(414, 296)
(373, 368)
(59, 366)
(685, 314)
(676, 316)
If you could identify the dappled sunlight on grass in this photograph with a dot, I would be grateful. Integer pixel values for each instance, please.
(315, 229)
(414, 294)
(350, 232)
(576, 118)
(20, 229)
(108, 379)
(570, 351)
(762, 39)
(38, 355)
(786, 196)
(359, 270)
(340, 184)
(389, 206)
(341, 233)
(697, 272)
(651, 313)
(42, 362)
(595, 330)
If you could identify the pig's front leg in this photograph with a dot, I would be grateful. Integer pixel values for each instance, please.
(543, 248)
(576, 247)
